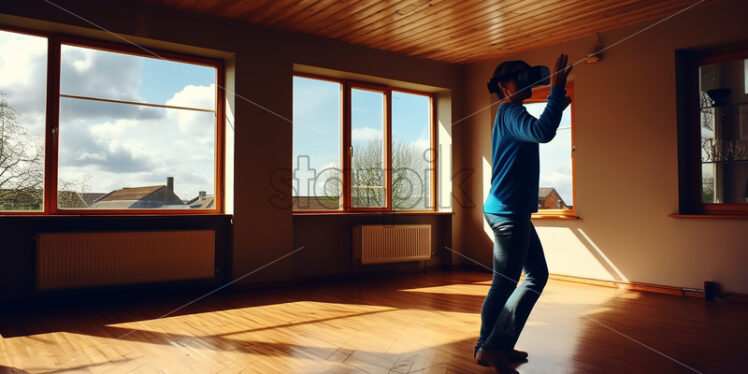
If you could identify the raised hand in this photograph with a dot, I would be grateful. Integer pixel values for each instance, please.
(560, 71)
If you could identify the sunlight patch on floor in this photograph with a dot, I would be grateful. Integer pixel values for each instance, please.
(223, 322)
(453, 289)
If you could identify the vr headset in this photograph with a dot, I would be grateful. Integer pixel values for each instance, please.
(528, 77)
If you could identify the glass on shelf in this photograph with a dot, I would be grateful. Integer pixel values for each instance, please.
(724, 132)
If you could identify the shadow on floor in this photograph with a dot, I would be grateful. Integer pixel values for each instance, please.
(617, 333)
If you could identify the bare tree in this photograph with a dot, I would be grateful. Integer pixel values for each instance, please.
(707, 112)
(367, 175)
(410, 187)
(70, 194)
(410, 168)
(707, 190)
(21, 163)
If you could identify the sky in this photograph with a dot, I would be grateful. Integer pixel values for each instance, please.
(107, 146)
(317, 124)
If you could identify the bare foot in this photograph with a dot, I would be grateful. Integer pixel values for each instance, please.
(497, 358)
(513, 356)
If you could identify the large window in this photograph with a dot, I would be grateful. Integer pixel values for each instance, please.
(114, 130)
(556, 192)
(713, 131)
(361, 147)
(723, 120)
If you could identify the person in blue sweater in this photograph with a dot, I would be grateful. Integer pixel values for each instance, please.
(513, 197)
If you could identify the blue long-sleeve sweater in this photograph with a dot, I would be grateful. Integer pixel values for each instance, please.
(514, 154)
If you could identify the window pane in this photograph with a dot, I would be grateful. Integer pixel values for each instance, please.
(23, 83)
(556, 182)
(124, 156)
(724, 133)
(411, 151)
(119, 76)
(317, 179)
(367, 161)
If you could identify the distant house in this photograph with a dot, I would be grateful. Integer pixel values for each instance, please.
(149, 197)
(548, 198)
(202, 201)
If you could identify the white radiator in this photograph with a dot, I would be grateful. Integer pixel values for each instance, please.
(66, 260)
(375, 244)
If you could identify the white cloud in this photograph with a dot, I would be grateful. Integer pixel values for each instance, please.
(421, 144)
(194, 122)
(203, 97)
(23, 61)
(366, 134)
(111, 129)
(556, 178)
(97, 73)
(84, 61)
(19, 52)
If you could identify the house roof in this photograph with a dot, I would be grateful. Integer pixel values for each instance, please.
(202, 202)
(114, 204)
(544, 192)
(131, 194)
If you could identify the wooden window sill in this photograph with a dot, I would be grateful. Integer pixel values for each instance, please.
(113, 215)
(555, 217)
(372, 213)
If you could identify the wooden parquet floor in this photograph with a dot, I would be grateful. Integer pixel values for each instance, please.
(422, 323)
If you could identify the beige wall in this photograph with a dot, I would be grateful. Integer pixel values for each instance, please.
(263, 61)
(625, 147)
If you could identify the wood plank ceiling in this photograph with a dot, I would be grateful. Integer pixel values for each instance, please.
(454, 31)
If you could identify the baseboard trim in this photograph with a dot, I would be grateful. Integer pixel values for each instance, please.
(633, 286)
(738, 298)
(733, 297)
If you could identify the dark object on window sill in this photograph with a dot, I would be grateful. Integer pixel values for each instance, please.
(719, 95)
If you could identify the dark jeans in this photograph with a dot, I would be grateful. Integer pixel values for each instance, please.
(505, 310)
